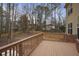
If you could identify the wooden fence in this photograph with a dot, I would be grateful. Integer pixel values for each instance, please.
(59, 37)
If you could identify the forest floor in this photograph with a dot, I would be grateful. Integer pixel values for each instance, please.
(16, 37)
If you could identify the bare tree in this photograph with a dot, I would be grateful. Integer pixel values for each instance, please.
(24, 22)
(1, 18)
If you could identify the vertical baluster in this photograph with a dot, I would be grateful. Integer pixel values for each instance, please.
(6, 53)
(16, 50)
(10, 51)
(13, 51)
(0, 53)
(20, 49)
(30, 44)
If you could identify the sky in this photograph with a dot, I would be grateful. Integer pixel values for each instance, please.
(31, 4)
(63, 9)
(29, 7)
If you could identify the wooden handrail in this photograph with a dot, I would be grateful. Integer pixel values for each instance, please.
(19, 43)
(14, 43)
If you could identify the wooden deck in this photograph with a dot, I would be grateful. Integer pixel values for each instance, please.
(53, 48)
(41, 44)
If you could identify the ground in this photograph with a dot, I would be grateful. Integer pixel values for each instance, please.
(16, 37)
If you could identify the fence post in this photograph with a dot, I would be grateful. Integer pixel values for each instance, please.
(20, 49)
(0, 54)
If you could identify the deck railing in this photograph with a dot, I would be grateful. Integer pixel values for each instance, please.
(22, 47)
(70, 38)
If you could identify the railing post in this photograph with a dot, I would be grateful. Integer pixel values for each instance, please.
(10, 51)
(0, 54)
(20, 49)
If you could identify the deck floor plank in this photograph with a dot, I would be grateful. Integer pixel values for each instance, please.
(53, 48)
